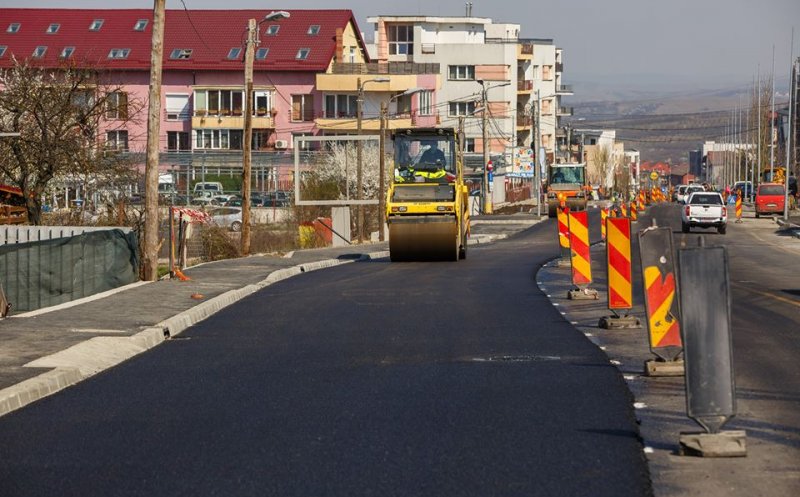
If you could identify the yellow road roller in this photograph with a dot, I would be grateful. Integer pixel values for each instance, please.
(427, 206)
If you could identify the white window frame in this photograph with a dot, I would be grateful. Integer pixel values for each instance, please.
(313, 30)
(272, 30)
(464, 108)
(304, 97)
(262, 53)
(425, 103)
(114, 142)
(461, 73)
(173, 113)
(14, 27)
(141, 25)
(96, 25)
(177, 135)
(119, 53)
(400, 39)
(39, 52)
(202, 104)
(3, 49)
(67, 52)
(181, 54)
(350, 108)
(234, 53)
(469, 145)
(266, 97)
(303, 53)
(113, 106)
(53, 28)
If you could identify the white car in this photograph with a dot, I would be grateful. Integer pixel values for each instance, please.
(227, 217)
(687, 192)
(704, 210)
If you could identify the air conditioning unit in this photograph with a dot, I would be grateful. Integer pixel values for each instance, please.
(281, 144)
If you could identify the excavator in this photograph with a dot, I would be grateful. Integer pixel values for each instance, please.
(427, 205)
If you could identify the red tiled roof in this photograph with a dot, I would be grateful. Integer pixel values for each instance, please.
(210, 34)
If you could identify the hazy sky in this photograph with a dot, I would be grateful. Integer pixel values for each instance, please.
(692, 43)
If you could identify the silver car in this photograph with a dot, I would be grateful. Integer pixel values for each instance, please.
(227, 217)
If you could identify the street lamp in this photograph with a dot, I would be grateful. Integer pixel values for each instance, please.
(359, 151)
(382, 160)
(487, 203)
(247, 148)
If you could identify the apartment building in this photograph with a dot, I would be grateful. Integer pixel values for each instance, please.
(309, 68)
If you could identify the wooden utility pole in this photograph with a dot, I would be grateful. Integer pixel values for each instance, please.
(359, 158)
(382, 179)
(487, 201)
(248, 133)
(150, 258)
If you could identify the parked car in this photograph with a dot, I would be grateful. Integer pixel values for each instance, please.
(279, 198)
(227, 217)
(769, 198)
(204, 201)
(704, 210)
(678, 189)
(215, 187)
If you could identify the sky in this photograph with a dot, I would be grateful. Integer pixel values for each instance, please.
(636, 44)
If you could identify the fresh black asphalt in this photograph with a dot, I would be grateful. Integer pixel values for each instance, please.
(373, 378)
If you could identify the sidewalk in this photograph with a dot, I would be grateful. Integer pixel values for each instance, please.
(42, 352)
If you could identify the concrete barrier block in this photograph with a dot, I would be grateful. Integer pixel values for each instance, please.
(723, 444)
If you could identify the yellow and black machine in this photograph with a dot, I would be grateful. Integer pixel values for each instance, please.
(427, 207)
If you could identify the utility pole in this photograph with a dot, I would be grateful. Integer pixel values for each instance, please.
(359, 153)
(758, 109)
(537, 169)
(790, 130)
(772, 124)
(382, 180)
(247, 148)
(153, 130)
(487, 202)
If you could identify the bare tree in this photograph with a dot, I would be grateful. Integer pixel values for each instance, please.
(59, 115)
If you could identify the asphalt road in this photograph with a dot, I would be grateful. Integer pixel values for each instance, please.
(368, 379)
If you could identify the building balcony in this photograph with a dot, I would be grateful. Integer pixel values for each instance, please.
(202, 120)
(524, 87)
(525, 51)
(373, 124)
(564, 90)
(564, 111)
(559, 67)
(524, 123)
(401, 76)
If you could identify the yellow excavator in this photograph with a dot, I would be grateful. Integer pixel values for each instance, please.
(427, 205)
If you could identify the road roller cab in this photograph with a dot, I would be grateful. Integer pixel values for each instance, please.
(426, 207)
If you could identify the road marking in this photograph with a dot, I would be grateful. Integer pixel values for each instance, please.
(768, 294)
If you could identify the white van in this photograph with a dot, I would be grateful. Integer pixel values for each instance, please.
(214, 187)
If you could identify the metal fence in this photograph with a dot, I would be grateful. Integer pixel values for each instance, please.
(49, 272)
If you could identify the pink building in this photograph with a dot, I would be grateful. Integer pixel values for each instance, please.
(309, 69)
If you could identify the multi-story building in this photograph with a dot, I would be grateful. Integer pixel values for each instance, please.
(306, 75)
(476, 55)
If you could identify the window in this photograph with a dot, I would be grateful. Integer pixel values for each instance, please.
(469, 145)
(340, 106)
(465, 73)
(313, 30)
(234, 53)
(217, 102)
(547, 73)
(140, 25)
(401, 39)
(117, 140)
(547, 106)
(352, 55)
(302, 107)
(262, 53)
(3, 49)
(462, 108)
(13, 27)
(119, 53)
(67, 52)
(181, 53)
(177, 107)
(178, 140)
(272, 30)
(224, 139)
(39, 52)
(302, 54)
(53, 28)
(263, 102)
(404, 105)
(117, 105)
(96, 25)
(426, 103)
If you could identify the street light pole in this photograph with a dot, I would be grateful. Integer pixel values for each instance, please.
(382, 179)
